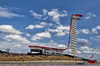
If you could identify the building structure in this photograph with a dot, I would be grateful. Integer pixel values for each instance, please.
(45, 50)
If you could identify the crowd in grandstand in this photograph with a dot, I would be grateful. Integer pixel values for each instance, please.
(4, 56)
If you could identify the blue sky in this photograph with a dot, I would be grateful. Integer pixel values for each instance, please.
(46, 23)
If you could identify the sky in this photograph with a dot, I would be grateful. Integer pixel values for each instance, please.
(47, 23)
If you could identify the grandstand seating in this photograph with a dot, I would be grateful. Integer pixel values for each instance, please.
(25, 57)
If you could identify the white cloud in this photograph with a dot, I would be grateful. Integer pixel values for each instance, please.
(45, 18)
(45, 11)
(97, 38)
(91, 37)
(91, 52)
(98, 27)
(60, 34)
(27, 34)
(61, 45)
(90, 15)
(30, 27)
(94, 30)
(84, 31)
(9, 29)
(34, 38)
(16, 38)
(55, 30)
(79, 52)
(38, 16)
(83, 42)
(55, 45)
(69, 52)
(34, 26)
(44, 34)
(41, 36)
(41, 25)
(17, 45)
(6, 13)
(56, 15)
(60, 30)
(86, 49)
(95, 52)
(63, 27)
(46, 24)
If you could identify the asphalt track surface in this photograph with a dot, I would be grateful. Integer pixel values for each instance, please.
(42, 63)
(38, 62)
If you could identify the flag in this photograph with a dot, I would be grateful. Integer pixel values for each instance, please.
(91, 56)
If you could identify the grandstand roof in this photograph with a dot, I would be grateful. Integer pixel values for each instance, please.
(46, 47)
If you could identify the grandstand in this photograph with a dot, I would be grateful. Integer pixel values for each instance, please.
(45, 50)
(25, 57)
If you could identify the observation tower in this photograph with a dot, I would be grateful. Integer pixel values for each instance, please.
(73, 32)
